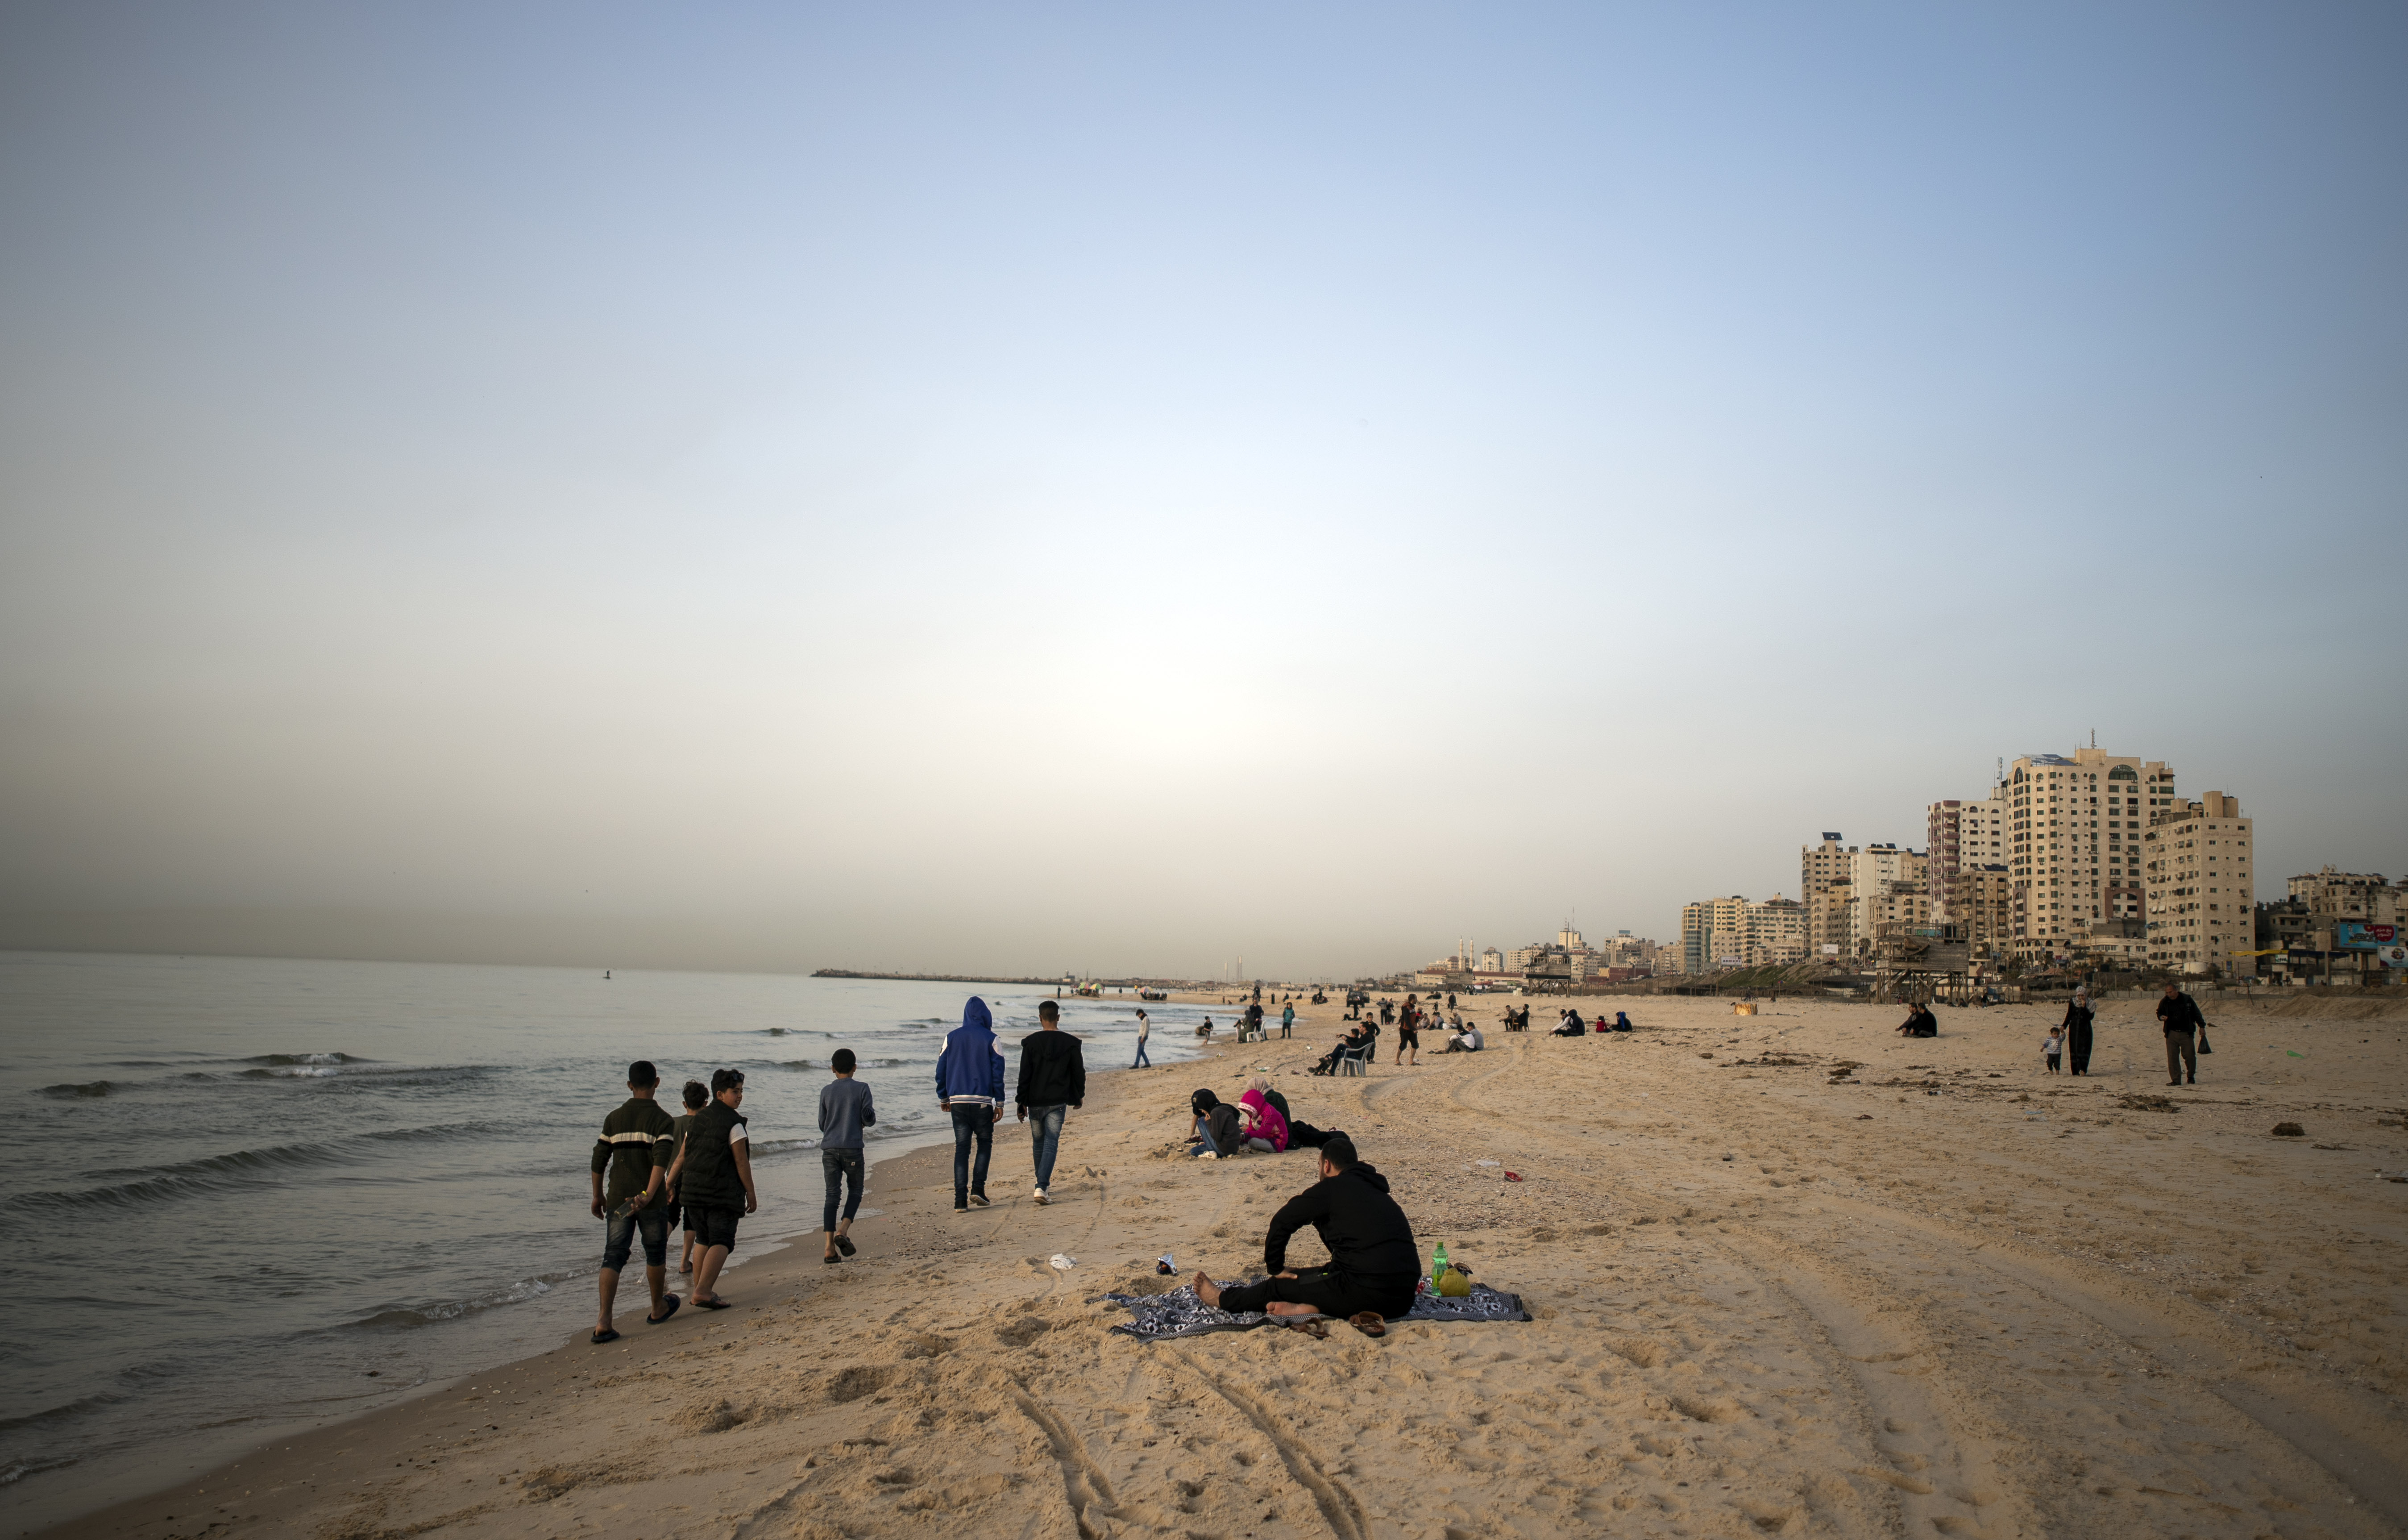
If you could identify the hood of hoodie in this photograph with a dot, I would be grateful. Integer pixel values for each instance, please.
(1378, 1182)
(1202, 1102)
(975, 1015)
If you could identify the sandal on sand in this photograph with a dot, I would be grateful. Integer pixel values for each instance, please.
(1312, 1326)
(1370, 1322)
(668, 1307)
(844, 1244)
(605, 1336)
(831, 1258)
(712, 1303)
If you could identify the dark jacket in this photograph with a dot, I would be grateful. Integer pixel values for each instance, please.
(708, 1178)
(2179, 1013)
(1051, 1071)
(971, 1070)
(1221, 1124)
(1367, 1233)
(636, 1137)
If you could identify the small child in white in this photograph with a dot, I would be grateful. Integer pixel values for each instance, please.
(2054, 1046)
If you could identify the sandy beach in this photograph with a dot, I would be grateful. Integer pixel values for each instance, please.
(1941, 1292)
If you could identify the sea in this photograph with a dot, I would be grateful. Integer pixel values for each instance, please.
(255, 1195)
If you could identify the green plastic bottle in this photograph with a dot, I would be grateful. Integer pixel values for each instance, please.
(1438, 1264)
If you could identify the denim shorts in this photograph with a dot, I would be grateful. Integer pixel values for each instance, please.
(652, 1222)
(713, 1225)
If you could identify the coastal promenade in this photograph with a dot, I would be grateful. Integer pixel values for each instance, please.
(1791, 1275)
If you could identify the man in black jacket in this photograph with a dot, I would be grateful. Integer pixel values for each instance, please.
(1052, 1080)
(1373, 1263)
(2178, 1014)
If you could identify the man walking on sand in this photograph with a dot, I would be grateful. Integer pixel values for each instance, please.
(1144, 1028)
(636, 1148)
(1052, 1080)
(2179, 1015)
(969, 1086)
(714, 1176)
(1373, 1263)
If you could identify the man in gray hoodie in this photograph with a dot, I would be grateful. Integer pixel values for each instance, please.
(845, 1110)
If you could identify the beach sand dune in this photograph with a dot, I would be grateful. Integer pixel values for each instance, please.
(1791, 1275)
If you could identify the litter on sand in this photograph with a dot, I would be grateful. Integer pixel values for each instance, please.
(1065, 1263)
(1180, 1314)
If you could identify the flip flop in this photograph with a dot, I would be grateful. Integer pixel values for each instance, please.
(1370, 1322)
(668, 1307)
(603, 1336)
(1312, 1326)
(711, 1305)
(831, 1261)
(844, 1244)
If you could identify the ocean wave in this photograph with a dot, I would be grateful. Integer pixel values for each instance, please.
(65, 1411)
(793, 1063)
(304, 1058)
(17, 1470)
(363, 1069)
(409, 1317)
(89, 1087)
(776, 1031)
(230, 1171)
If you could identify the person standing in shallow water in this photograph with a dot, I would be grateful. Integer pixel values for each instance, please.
(2078, 1016)
(1052, 1081)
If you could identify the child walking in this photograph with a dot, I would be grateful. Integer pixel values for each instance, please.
(2053, 1047)
(845, 1110)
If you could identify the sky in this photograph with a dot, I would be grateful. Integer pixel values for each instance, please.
(1138, 490)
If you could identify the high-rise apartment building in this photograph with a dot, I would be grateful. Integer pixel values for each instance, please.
(1818, 868)
(1981, 902)
(2199, 886)
(2075, 842)
(1734, 933)
(1964, 834)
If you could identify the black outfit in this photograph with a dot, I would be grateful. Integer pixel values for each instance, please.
(2077, 1035)
(2180, 1017)
(1373, 1264)
(1053, 1073)
(708, 1184)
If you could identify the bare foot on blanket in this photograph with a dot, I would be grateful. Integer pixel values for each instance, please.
(1207, 1290)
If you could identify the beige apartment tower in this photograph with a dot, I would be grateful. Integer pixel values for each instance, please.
(1963, 834)
(2075, 838)
(2201, 906)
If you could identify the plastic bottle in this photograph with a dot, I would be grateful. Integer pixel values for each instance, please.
(1438, 1264)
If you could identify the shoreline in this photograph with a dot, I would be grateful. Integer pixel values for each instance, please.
(918, 1160)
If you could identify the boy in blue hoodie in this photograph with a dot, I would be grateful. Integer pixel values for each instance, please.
(970, 1085)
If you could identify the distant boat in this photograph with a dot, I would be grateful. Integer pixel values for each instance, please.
(1153, 994)
(606, 972)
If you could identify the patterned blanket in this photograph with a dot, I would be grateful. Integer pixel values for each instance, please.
(1180, 1313)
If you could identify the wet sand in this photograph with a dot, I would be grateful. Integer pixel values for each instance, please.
(1942, 1293)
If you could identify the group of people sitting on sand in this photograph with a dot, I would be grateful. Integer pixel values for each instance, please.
(1258, 1124)
(1919, 1022)
(1573, 1026)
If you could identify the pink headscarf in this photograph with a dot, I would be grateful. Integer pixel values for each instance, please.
(1269, 1124)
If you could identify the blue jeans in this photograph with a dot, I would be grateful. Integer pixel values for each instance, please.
(1046, 1136)
(652, 1222)
(971, 1123)
(842, 1168)
(1142, 1062)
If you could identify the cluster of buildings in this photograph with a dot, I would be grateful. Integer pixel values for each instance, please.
(1568, 959)
(2090, 861)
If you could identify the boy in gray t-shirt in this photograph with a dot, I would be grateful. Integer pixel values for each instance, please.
(845, 1110)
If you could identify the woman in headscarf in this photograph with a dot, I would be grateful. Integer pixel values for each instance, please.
(1266, 1125)
(2077, 1030)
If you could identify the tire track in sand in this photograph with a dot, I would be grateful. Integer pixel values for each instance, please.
(1084, 1484)
(1339, 1509)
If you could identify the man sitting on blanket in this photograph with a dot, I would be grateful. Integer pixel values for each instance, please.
(1373, 1264)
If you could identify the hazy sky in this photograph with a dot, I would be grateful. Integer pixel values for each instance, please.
(995, 487)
